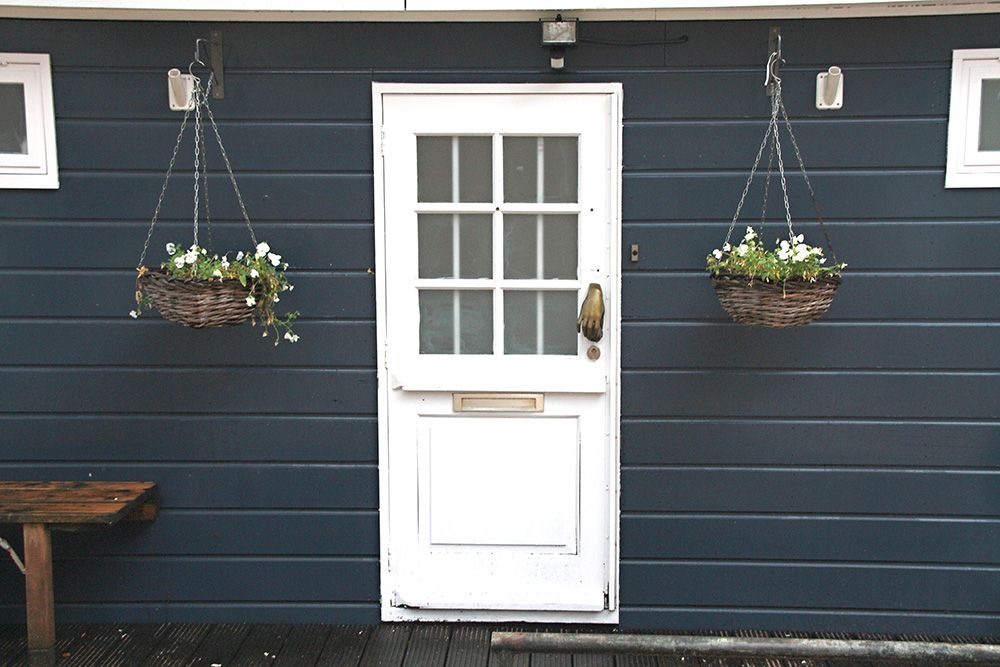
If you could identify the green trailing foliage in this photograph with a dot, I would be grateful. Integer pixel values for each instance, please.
(791, 259)
(260, 271)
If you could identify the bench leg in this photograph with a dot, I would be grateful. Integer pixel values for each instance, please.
(38, 592)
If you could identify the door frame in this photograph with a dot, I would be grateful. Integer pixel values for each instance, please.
(612, 321)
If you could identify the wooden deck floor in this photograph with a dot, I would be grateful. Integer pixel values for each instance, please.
(387, 645)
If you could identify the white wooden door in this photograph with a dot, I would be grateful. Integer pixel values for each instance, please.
(497, 207)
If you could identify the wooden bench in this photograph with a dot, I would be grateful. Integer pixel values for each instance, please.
(45, 506)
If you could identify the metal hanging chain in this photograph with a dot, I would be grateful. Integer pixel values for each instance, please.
(204, 170)
(771, 128)
(197, 153)
(200, 168)
(767, 192)
(775, 104)
(229, 168)
(805, 177)
(163, 190)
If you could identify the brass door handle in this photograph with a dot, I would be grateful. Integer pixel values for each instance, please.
(591, 320)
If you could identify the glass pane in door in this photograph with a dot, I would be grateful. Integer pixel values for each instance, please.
(455, 245)
(456, 321)
(539, 322)
(13, 120)
(989, 116)
(540, 247)
(454, 169)
(540, 170)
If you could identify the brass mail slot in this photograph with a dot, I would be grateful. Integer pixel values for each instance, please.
(498, 402)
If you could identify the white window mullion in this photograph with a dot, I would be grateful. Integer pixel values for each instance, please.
(498, 310)
(540, 250)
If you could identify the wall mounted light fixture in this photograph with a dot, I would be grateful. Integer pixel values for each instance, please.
(557, 35)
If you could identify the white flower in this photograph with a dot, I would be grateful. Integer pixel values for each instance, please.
(288, 335)
(171, 248)
(727, 247)
(179, 261)
(784, 246)
(251, 301)
(263, 249)
(742, 249)
(217, 273)
(291, 287)
(225, 262)
(190, 257)
(717, 253)
(133, 314)
(783, 254)
(276, 299)
(800, 238)
(275, 259)
(823, 261)
(254, 273)
(239, 255)
(751, 234)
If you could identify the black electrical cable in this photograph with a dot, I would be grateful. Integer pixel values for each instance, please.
(655, 42)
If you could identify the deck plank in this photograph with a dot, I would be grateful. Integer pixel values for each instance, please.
(178, 642)
(470, 646)
(344, 646)
(387, 646)
(593, 660)
(219, 645)
(262, 645)
(428, 646)
(304, 646)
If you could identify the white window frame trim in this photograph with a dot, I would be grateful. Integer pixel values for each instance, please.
(38, 169)
(969, 167)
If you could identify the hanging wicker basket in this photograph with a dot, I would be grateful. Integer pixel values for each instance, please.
(791, 302)
(195, 303)
(776, 305)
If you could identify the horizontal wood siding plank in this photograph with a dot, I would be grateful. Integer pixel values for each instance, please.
(872, 195)
(831, 586)
(116, 245)
(801, 538)
(102, 294)
(191, 438)
(232, 533)
(155, 342)
(805, 490)
(340, 94)
(105, 196)
(230, 390)
(505, 44)
(809, 620)
(861, 346)
(222, 486)
(801, 394)
(825, 143)
(900, 246)
(872, 296)
(717, 441)
(206, 612)
(127, 579)
(279, 146)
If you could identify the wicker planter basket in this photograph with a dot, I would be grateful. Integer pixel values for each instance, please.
(195, 303)
(776, 305)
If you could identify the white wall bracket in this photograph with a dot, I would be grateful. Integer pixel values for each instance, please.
(180, 90)
(830, 89)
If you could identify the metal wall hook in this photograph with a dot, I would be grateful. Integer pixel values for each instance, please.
(772, 76)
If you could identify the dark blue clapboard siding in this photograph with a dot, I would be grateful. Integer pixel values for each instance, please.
(812, 538)
(837, 477)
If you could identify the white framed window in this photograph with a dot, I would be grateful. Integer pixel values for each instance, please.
(974, 120)
(27, 122)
